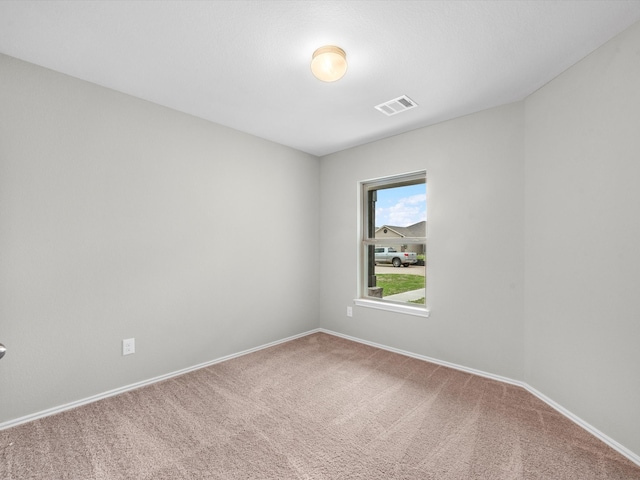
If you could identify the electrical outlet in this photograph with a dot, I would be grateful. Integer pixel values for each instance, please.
(349, 311)
(128, 346)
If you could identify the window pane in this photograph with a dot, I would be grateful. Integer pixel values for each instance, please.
(400, 211)
(394, 247)
(401, 284)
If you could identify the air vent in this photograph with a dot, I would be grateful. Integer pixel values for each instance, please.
(397, 105)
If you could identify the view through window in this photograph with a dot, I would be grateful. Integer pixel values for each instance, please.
(394, 256)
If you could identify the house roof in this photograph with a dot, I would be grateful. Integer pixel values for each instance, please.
(416, 230)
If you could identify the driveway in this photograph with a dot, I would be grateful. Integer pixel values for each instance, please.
(410, 270)
(407, 296)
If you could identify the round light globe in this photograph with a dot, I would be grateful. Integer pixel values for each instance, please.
(329, 63)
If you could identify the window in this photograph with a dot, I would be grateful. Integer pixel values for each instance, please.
(393, 240)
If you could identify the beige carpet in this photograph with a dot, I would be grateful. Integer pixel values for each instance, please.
(319, 407)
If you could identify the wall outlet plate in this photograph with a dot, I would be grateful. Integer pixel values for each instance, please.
(349, 311)
(128, 346)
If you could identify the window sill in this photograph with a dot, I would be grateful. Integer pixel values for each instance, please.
(392, 307)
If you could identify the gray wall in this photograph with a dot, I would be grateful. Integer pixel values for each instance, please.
(120, 218)
(475, 240)
(117, 216)
(533, 241)
(582, 262)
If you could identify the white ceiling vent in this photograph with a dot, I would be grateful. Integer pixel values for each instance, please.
(397, 105)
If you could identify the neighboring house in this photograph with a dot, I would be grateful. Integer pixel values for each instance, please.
(416, 230)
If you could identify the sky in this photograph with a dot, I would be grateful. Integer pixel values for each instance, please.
(401, 206)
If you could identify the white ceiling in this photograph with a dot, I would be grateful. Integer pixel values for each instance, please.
(245, 64)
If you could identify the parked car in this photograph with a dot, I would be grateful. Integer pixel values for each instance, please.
(395, 258)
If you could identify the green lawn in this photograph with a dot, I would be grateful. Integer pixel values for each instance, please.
(393, 283)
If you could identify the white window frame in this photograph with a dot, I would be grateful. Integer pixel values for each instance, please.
(365, 240)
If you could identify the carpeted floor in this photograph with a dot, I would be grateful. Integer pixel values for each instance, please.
(319, 407)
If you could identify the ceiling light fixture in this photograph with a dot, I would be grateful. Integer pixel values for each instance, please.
(329, 63)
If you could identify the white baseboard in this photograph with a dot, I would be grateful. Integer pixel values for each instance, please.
(574, 418)
(426, 359)
(588, 427)
(133, 386)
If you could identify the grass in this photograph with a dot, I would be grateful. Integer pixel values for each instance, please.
(393, 283)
